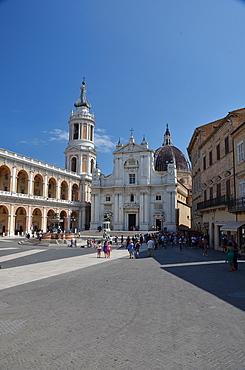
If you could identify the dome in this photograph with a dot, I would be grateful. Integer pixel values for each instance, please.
(169, 153)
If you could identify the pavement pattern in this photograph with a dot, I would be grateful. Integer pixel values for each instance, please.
(64, 308)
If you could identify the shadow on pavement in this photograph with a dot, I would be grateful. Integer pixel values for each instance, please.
(211, 277)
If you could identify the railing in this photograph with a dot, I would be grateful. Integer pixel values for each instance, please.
(236, 205)
(219, 201)
(36, 198)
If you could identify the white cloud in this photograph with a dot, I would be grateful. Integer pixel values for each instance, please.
(59, 135)
(103, 142)
(33, 142)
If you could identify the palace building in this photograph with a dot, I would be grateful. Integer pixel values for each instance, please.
(33, 193)
(147, 189)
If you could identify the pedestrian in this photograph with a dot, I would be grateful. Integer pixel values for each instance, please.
(73, 242)
(99, 247)
(109, 249)
(40, 237)
(205, 246)
(236, 255)
(131, 249)
(180, 243)
(137, 249)
(230, 256)
(105, 249)
(150, 246)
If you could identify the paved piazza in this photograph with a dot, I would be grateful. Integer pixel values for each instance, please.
(63, 308)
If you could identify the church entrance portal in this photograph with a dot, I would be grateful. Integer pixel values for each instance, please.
(131, 221)
(158, 225)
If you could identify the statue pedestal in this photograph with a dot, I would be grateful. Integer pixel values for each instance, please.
(106, 226)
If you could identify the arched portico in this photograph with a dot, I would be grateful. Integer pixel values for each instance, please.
(4, 220)
(52, 188)
(20, 220)
(22, 182)
(38, 185)
(64, 190)
(36, 223)
(5, 177)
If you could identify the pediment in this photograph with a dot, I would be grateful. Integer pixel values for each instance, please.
(131, 147)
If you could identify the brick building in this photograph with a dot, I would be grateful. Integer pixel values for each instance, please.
(216, 151)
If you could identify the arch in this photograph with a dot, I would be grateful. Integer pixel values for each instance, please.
(22, 182)
(74, 221)
(64, 190)
(52, 188)
(20, 220)
(50, 215)
(74, 164)
(36, 224)
(91, 165)
(75, 193)
(4, 220)
(63, 220)
(5, 176)
(38, 185)
(76, 131)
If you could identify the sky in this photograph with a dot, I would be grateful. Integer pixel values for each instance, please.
(146, 64)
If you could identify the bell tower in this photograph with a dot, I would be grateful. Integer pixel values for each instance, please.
(80, 154)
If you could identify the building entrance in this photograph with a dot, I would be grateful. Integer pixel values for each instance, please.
(131, 221)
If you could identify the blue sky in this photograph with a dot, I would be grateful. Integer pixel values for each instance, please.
(146, 64)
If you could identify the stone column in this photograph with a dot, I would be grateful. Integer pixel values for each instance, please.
(14, 180)
(69, 191)
(30, 190)
(58, 189)
(11, 221)
(44, 220)
(45, 186)
(29, 219)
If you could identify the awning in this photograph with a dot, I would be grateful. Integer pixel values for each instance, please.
(232, 226)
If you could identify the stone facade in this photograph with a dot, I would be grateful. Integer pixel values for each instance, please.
(33, 192)
(216, 176)
(135, 196)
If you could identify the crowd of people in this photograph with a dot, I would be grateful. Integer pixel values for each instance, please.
(157, 240)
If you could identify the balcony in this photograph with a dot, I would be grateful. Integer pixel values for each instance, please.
(236, 205)
(215, 202)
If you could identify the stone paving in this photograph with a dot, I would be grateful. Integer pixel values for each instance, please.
(176, 310)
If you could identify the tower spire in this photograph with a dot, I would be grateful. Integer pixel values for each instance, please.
(82, 101)
(167, 137)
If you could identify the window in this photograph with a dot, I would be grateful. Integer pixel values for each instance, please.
(241, 189)
(74, 164)
(132, 178)
(218, 190)
(228, 187)
(107, 199)
(158, 197)
(210, 158)
(204, 163)
(76, 128)
(218, 151)
(226, 145)
(205, 195)
(131, 197)
(240, 152)
(211, 193)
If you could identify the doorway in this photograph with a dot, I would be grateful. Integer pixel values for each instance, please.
(131, 221)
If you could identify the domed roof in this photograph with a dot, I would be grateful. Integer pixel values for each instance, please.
(170, 154)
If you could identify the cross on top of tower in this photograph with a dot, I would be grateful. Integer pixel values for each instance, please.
(131, 130)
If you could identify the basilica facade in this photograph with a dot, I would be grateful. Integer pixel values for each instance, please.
(147, 189)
